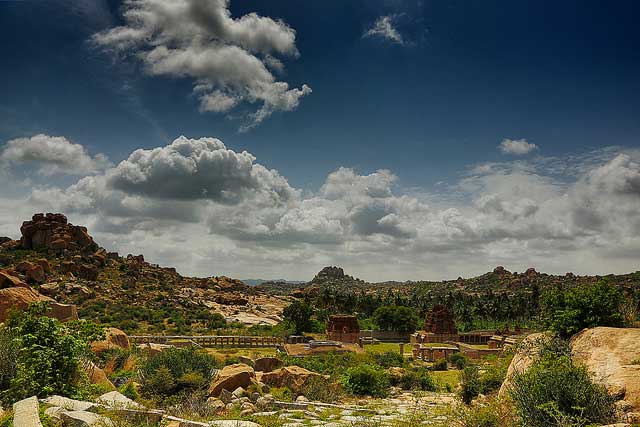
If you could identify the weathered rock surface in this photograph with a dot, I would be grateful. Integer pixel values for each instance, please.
(97, 375)
(115, 399)
(84, 419)
(115, 338)
(18, 298)
(7, 280)
(26, 413)
(51, 231)
(266, 364)
(69, 404)
(524, 357)
(231, 377)
(294, 377)
(608, 354)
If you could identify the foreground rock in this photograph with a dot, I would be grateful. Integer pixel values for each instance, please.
(26, 413)
(294, 377)
(69, 404)
(84, 419)
(525, 357)
(115, 399)
(232, 377)
(611, 355)
(114, 339)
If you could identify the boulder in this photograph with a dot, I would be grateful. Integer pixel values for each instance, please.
(69, 404)
(26, 413)
(152, 349)
(84, 419)
(8, 280)
(524, 357)
(233, 423)
(51, 231)
(18, 298)
(267, 364)
(33, 273)
(231, 377)
(97, 375)
(610, 355)
(115, 399)
(115, 338)
(294, 377)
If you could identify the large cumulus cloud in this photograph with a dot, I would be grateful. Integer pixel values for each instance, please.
(233, 215)
(230, 59)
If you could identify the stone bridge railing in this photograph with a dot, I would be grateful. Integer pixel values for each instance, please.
(210, 340)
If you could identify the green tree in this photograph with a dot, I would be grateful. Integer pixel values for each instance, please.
(396, 318)
(299, 314)
(569, 311)
(365, 380)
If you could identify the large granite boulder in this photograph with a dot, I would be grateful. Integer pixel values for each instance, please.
(52, 231)
(612, 355)
(525, 356)
(26, 413)
(8, 280)
(231, 377)
(294, 377)
(266, 364)
(115, 338)
(18, 298)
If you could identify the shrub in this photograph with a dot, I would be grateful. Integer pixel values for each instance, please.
(459, 360)
(48, 353)
(320, 390)
(556, 392)
(396, 318)
(389, 359)
(176, 370)
(417, 379)
(569, 311)
(440, 365)
(366, 380)
(469, 383)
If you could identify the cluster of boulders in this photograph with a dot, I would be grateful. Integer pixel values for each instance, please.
(52, 231)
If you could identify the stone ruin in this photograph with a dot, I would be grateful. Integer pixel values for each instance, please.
(343, 328)
(440, 321)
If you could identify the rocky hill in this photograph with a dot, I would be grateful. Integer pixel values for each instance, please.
(62, 262)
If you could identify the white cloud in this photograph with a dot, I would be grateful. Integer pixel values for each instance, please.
(516, 147)
(228, 58)
(210, 210)
(384, 28)
(52, 155)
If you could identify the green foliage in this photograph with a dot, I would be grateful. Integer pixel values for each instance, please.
(366, 380)
(470, 385)
(440, 365)
(216, 321)
(176, 370)
(8, 357)
(396, 318)
(459, 360)
(569, 311)
(299, 314)
(389, 359)
(129, 390)
(556, 392)
(48, 354)
(417, 379)
(319, 390)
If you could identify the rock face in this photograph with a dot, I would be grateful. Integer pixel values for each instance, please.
(26, 413)
(7, 280)
(266, 364)
(294, 377)
(18, 298)
(330, 273)
(608, 354)
(97, 375)
(231, 377)
(115, 338)
(524, 357)
(51, 231)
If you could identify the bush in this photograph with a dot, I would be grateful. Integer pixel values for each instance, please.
(459, 360)
(389, 359)
(569, 311)
(319, 390)
(556, 392)
(366, 380)
(440, 365)
(396, 318)
(176, 370)
(48, 354)
(469, 383)
(417, 379)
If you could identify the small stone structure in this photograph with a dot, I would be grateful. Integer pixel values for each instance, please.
(343, 328)
(431, 354)
(439, 326)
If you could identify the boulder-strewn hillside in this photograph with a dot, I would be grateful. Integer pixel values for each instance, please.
(61, 261)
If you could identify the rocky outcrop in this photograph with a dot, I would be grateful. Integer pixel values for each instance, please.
(115, 338)
(266, 364)
(52, 231)
(611, 355)
(97, 375)
(330, 273)
(18, 298)
(294, 377)
(8, 280)
(525, 356)
(33, 273)
(115, 399)
(231, 377)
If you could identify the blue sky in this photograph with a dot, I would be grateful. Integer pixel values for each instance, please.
(430, 100)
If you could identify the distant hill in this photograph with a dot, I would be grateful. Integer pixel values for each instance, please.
(256, 282)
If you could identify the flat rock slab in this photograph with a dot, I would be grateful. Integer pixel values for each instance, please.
(84, 419)
(233, 423)
(70, 404)
(26, 413)
(116, 399)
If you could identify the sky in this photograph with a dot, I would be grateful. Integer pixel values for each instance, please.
(399, 139)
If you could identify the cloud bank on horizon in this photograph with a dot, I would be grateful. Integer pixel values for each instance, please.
(229, 60)
(204, 208)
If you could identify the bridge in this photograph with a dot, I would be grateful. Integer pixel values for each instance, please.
(210, 340)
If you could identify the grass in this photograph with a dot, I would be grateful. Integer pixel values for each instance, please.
(229, 352)
(446, 379)
(384, 347)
